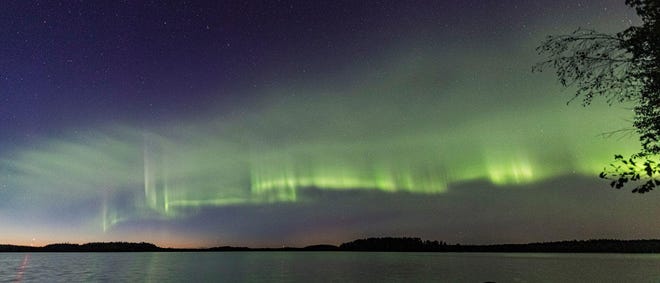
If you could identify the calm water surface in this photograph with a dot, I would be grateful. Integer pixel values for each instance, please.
(327, 267)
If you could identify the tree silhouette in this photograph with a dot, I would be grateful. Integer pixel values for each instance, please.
(621, 67)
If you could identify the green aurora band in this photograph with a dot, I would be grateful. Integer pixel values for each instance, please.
(402, 130)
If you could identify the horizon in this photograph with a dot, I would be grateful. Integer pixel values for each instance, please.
(332, 244)
(267, 125)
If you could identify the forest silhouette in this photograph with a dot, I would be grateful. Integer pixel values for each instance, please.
(385, 244)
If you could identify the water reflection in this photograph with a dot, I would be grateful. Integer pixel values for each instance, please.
(327, 267)
(21, 268)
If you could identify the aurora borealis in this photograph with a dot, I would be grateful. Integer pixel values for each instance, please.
(292, 123)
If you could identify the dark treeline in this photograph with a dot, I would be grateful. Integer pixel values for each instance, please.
(387, 244)
(575, 246)
(588, 246)
(394, 245)
(102, 247)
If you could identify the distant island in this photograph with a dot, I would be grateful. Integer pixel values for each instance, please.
(386, 244)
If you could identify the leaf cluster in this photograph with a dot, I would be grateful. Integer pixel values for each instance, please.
(640, 170)
(596, 64)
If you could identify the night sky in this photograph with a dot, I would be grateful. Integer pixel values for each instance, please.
(273, 123)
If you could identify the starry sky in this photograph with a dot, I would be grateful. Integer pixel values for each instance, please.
(270, 123)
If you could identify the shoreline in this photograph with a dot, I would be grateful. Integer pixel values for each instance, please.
(388, 244)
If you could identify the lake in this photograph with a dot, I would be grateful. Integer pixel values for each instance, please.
(328, 267)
